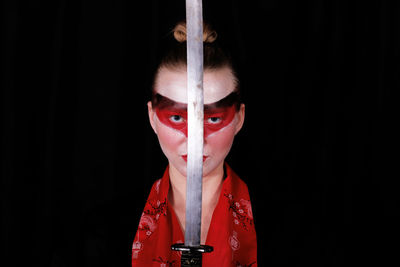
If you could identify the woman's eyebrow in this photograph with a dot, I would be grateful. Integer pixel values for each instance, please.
(161, 101)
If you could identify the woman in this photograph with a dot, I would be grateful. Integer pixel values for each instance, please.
(227, 221)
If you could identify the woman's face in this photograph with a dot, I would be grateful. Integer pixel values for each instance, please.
(221, 119)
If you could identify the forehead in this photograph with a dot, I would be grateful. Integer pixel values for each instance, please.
(172, 83)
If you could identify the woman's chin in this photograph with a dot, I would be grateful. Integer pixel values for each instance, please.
(209, 168)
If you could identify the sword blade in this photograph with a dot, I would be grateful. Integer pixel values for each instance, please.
(194, 24)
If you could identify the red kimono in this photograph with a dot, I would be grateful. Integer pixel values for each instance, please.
(231, 233)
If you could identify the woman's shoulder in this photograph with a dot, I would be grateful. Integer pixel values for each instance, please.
(160, 187)
(234, 177)
(235, 185)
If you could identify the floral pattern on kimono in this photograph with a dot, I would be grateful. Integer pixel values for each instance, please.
(231, 232)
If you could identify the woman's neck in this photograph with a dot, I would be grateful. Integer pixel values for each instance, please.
(212, 184)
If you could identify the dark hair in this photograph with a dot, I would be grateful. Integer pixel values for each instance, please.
(175, 52)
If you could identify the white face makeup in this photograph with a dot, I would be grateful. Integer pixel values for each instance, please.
(217, 85)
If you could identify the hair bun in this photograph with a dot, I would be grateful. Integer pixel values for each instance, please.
(209, 35)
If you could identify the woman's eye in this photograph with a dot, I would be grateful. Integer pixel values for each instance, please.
(176, 118)
(214, 120)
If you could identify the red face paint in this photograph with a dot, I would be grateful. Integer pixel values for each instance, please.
(216, 115)
(173, 118)
(217, 118)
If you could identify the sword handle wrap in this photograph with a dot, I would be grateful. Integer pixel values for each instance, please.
(190, 259)
(191, 256)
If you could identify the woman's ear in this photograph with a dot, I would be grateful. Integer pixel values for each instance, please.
(151, 116)
(240, 116)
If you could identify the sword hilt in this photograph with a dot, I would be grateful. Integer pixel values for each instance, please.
(191, 256)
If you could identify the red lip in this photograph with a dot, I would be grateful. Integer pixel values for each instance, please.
(185, 158)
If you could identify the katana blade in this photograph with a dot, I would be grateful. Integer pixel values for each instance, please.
(194, 25)
(192, 250)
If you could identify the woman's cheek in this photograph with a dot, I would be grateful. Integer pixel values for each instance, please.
(170, 140)
(219, 143)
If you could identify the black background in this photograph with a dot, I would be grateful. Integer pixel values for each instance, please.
(317, 148)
